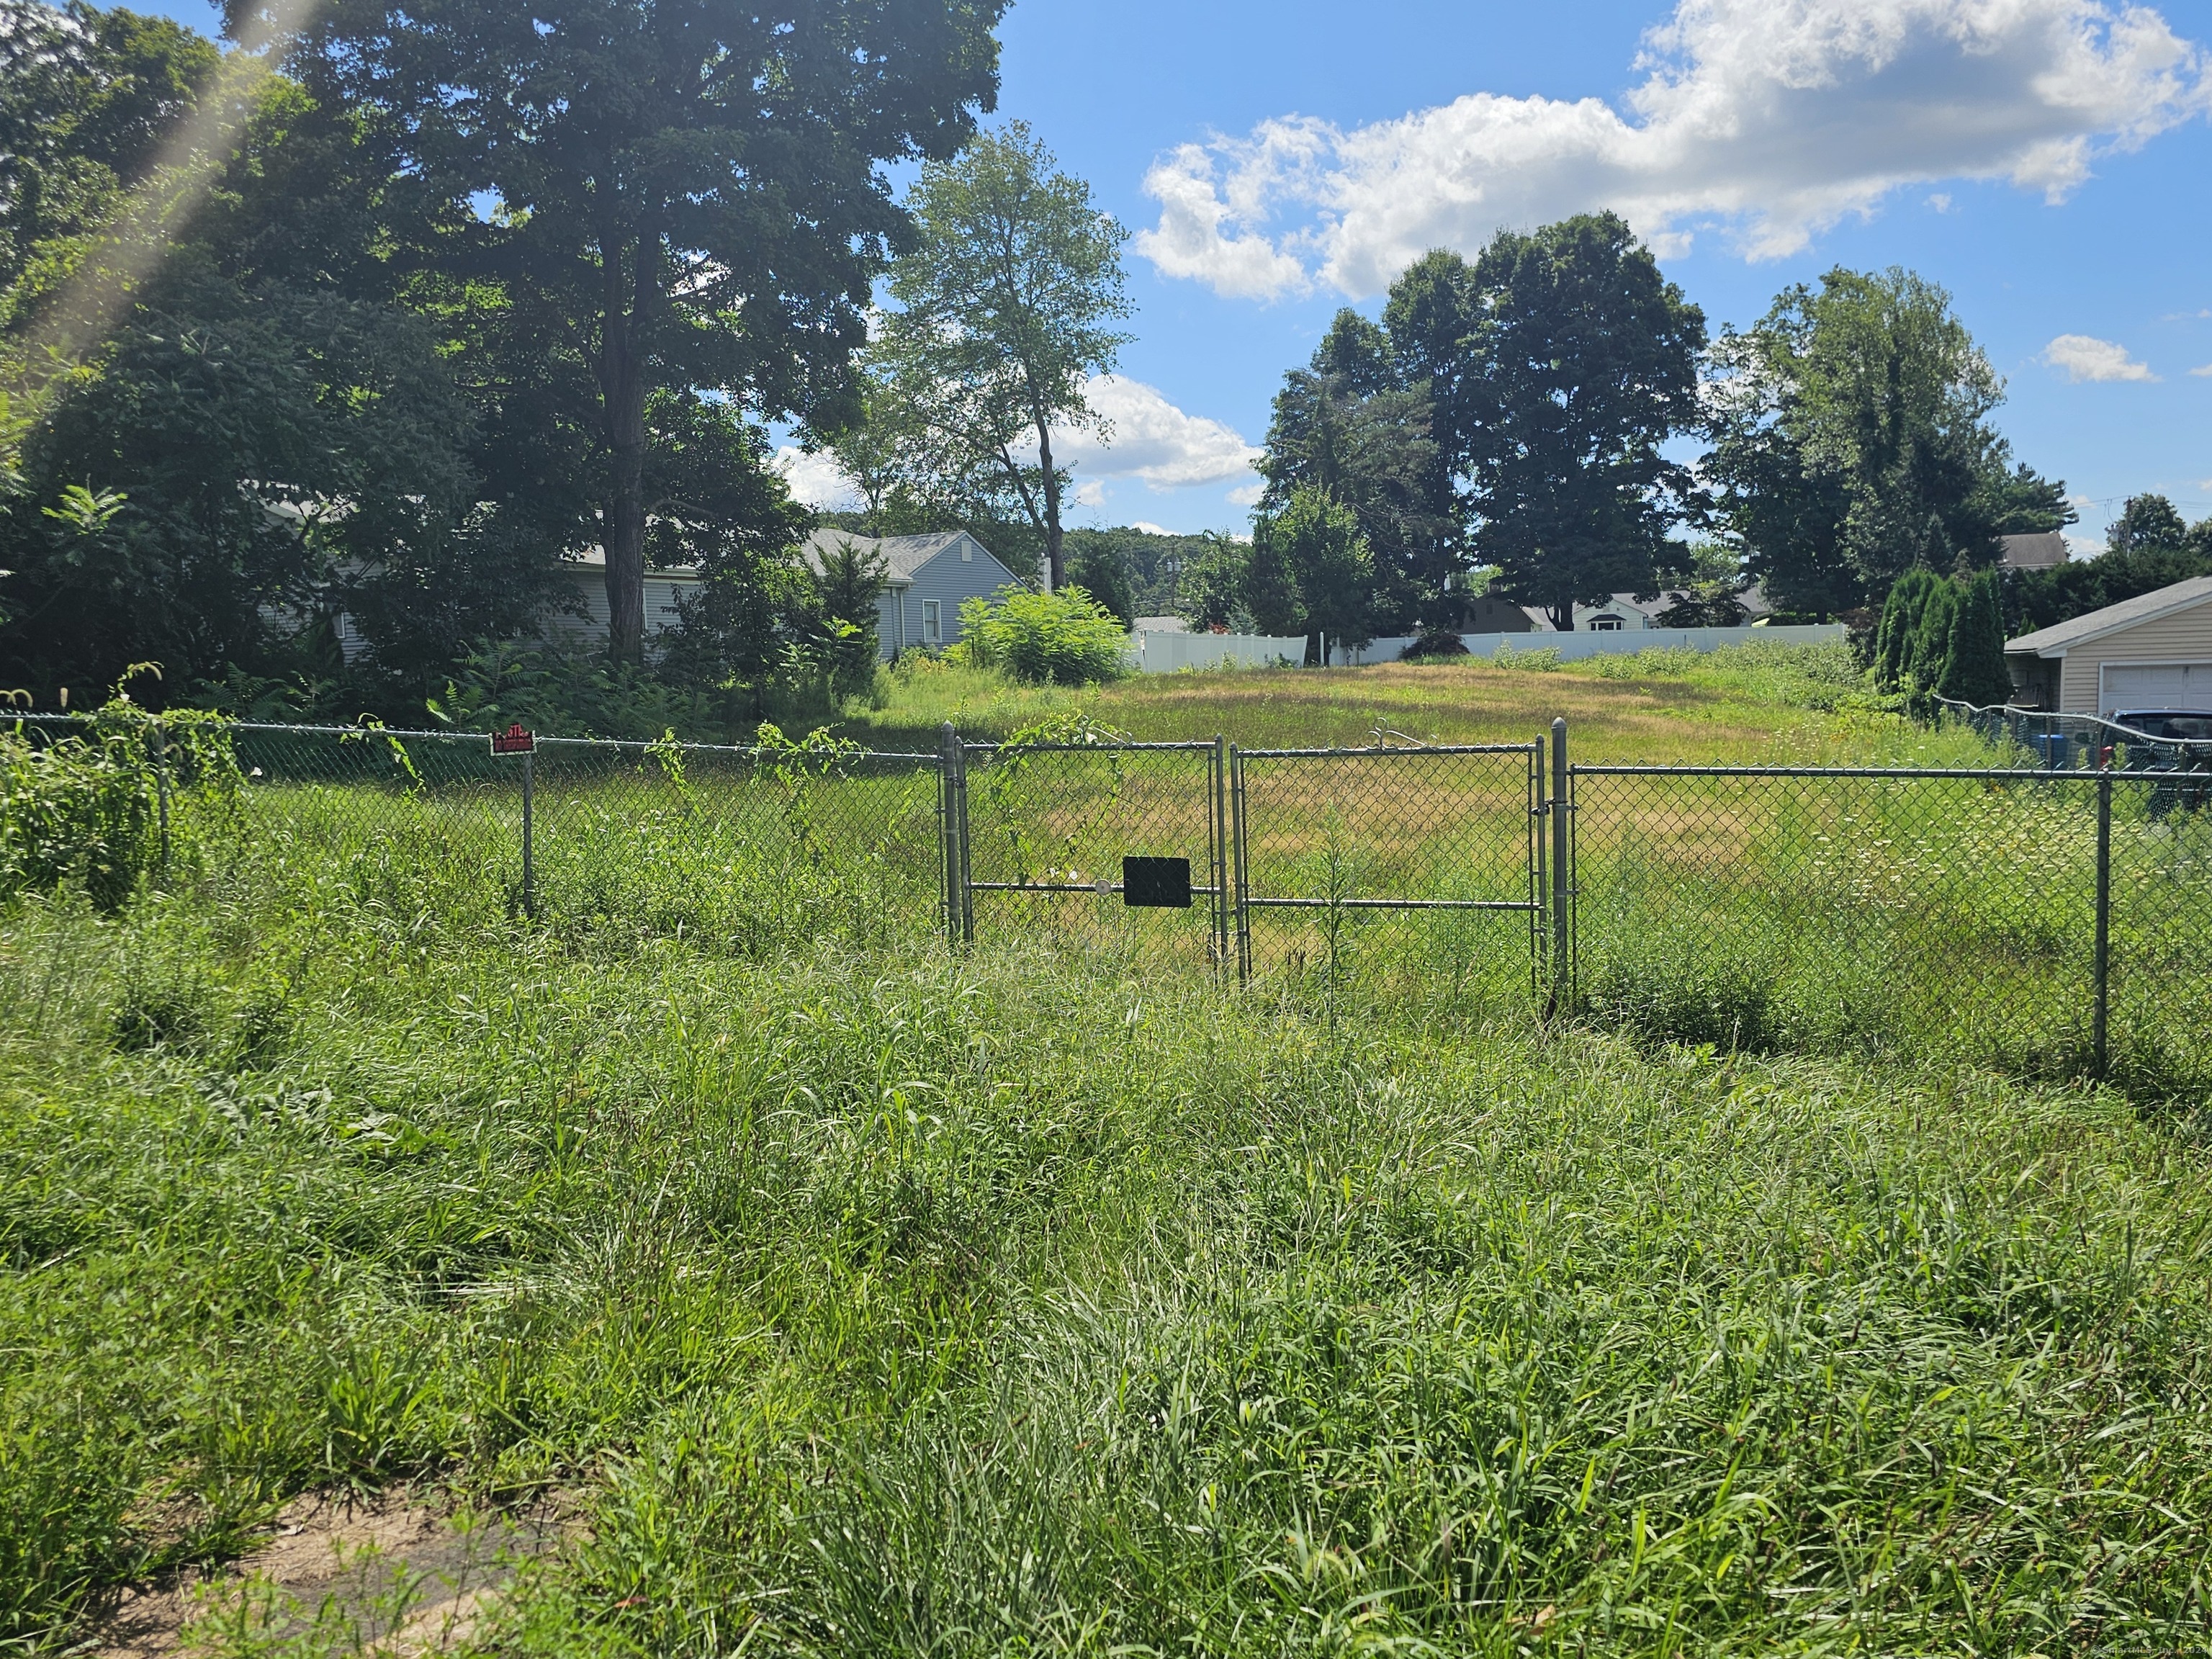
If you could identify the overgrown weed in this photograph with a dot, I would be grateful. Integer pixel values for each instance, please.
(1053, 1301)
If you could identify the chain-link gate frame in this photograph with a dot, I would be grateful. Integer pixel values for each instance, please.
(1055, 818)
(1500, 793)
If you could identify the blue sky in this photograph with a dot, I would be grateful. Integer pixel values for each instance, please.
(2049, 161)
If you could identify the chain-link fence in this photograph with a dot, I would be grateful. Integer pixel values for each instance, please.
(2175, 748)
(2051, 921)
(1410, 862)
(1119, 846)
(743, 849)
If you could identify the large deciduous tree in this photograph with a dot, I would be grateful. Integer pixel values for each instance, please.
(1345, 427)
(1852, 443)
(680, 198)
(1007, 302)
(1580, 361)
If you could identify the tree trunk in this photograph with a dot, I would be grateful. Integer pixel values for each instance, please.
(622, 388)
(1562, 615)
(1056, 578)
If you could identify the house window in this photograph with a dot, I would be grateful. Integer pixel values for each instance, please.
(932, 622)
(967, 552)
(1605, 624)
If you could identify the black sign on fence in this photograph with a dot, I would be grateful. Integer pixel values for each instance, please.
(1156, 884)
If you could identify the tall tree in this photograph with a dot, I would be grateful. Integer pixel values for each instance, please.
(1973, 668)
(1430, 321)
(1852, 442)
(2147, 524)
(87, 98)
(1340, 427)
(1007, 300)
(686, 196)
(1582, 364)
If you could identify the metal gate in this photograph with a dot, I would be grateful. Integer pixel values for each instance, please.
(1419, 862)
(1121, 845)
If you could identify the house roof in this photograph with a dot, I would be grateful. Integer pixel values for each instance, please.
(2056, 641)
(1753, 599)
(594, 560)
(2037, 552)
(903, 555)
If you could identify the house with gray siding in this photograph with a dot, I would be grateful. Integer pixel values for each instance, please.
(927, 579)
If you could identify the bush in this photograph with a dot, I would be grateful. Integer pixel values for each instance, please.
(86, 809)
(1066, 638)
(1435, 642)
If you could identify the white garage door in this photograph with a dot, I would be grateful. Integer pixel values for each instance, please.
(2155, 685)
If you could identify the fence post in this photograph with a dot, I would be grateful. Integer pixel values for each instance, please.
(1221, 857)
(1562, 884)
(1240, 858)
(1540, 809)
(161, 742)
(2098, 1055)
(948, 860)
(529, 835)
(959, 905)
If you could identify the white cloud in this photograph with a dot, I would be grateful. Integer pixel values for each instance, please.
(816, 479)
(1148, 439)
(1764, 120)
(2203, 372)
(1150, 528)
(1153, 440)
(1247, 494)
(1941, 201)
(2085, 357)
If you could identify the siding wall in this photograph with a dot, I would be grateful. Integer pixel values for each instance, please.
(590, 584)
(948, 579)
(2183, 637)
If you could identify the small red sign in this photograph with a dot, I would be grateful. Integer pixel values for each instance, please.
(514, 741)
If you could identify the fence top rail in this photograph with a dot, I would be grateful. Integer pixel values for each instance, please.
(1993, 775)
(2127, 735)
(1373, 750)
(362, 733)
(1195, 745)
(754, 752)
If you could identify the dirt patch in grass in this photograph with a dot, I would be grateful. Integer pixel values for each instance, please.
(403, 1572)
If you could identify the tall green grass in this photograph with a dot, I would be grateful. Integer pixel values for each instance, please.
(877, 1300)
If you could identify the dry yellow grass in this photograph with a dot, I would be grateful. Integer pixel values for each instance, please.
(1747, 704)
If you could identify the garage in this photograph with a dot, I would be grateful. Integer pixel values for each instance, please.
(2154, 651)
(2155, 685)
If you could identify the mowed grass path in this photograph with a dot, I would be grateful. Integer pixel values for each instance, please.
(881, 1302)
(1753, 702)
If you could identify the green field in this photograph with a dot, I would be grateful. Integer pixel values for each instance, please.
(1057, 1298)
(1750, 702)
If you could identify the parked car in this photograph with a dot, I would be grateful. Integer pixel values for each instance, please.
(2177, 740)
(2174, 725)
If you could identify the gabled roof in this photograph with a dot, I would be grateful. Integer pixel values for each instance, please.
(2039, 551)
(904, 555)
(2058, 640)
(594, 560)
